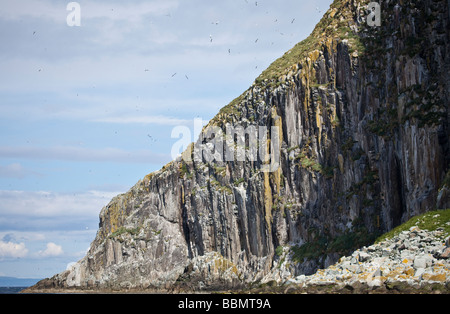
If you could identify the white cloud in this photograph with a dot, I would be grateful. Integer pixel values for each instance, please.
(25, 236)
(160, 120)
(127, 10)
(51, 250)
(31, 8)
(10, 249)
(57, 10)
(15, 170)
(51, 204)
(71, 153)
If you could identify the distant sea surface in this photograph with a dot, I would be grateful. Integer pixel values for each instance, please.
(12, 285)
(11, 290)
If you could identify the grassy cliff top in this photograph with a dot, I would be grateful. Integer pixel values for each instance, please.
(337, 24)
(430, 221)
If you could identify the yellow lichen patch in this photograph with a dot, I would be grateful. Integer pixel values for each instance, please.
(332, 13)
(319, 121)
(409, 271)
(434, 277)
(222, 265)
(341, 163)
(275, 173)
(393, 274)
(305, 82)
(187, 155)
(278, 124)
(182, 195)
(148, 177)
(114, 213)
(267, 200)
(314, 55)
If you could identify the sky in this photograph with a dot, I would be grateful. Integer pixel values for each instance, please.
(87, 111)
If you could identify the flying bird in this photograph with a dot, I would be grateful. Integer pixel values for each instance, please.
(151, 138)
(174, 74)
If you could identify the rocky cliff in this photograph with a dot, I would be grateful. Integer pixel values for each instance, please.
(361, 115)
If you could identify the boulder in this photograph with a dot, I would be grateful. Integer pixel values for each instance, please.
(423, 261)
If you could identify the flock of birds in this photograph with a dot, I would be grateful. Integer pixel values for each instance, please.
(229, 49)
(211, 37)
(152, 139)
(210, 40)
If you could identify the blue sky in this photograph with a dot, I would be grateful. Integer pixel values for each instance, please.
(85, 112)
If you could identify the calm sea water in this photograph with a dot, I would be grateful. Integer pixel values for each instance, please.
(11, 290)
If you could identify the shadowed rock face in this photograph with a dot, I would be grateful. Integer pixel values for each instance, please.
(362, 117)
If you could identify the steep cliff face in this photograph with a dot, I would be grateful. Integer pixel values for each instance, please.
(362, 120)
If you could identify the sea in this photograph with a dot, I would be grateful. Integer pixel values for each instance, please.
(13, 285)
(11, 290)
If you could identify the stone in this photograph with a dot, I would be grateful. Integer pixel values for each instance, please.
(363, 257)
(419, 272)
(422, 261)
(375, 283)
(430, 276)
(300, 278)
(445, 253)
(377, 272)
(406, 244)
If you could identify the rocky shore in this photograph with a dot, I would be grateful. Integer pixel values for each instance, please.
(412, 261)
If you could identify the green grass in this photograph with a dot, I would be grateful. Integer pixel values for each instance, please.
(446, 182)
(310, 250)
(346, 243)
(290, 58)
(429, 221)
(343, 244)
(122, 230)
(279, 251)
(336, 27)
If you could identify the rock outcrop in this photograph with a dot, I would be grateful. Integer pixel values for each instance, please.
(362, 120)
(412, 261)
